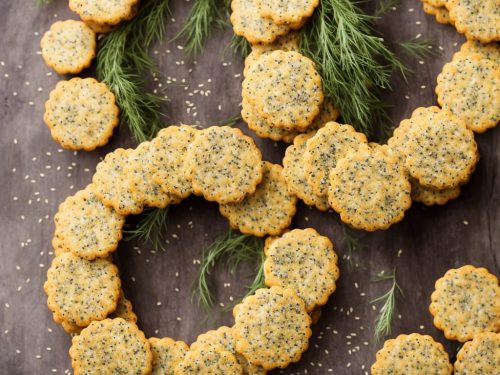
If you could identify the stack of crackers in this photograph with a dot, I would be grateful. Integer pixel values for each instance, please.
(466, 307)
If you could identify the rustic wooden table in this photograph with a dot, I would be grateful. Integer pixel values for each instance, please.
(36, 175)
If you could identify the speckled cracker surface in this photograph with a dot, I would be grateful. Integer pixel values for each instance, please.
(469, 87)
(124, 309)
(248, 23)
(285, 88)
(295, 177)
(167, 354)
(209, 359)
(479, 356)
(441, 14)
(81, 114)
(272, 327)
(223, 336)
(267, 211)
(430, 197)
(441, 153)
(486, 51)
(412, 354)
(104, 11)
(436, 3)
(224, 164)
(80, 291)
(168, 159)
(477, 19)
(69, 46)
(288, 42)
(330, 144)
(87, 227)
(466, 302)
(285, 12)
(141, 175)
(369, 189)
(111, 346)
(304, 261)
(114, 187)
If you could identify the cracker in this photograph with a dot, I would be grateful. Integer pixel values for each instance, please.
(223, 336)
(288, 42)
(285, 88)
(469, 87)
(168, 159)
(81, 114)
(370, 189)
(248, 23)
(80, 291)
(431, 197)
(141, 175)
(167, 354)
(477, 19)
(441, 153)
(111, 346)
(272, 327)
(412, 354)
(304, 261)
(109, 12)
(100, 28)
(69, 46)
(330, 144)
(86, 227)
(286, 12)
(441, 14)
(58, 244)
(295, 177)
(479, 356)
(124, 309)
(486, 51)
(466, 302)
(208, 359)
(436, 3)
(114, 187)
(264, 129)
(224, 164)
(267, 211)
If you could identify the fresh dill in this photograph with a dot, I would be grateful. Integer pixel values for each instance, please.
(417, 48)
(354, 63)
(385, 317)
(352, 243)
(231, 121)
(384, 6)
(204, 17)
(150, 228)
(240, 46)
(231, 248)
(123, 62)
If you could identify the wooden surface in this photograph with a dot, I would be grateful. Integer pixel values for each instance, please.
(36, 175)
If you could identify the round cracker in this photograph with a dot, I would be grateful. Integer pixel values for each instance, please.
(430, 197)
(209, 359)
(110, 12)
(286, 12)
(167, 354)
(479, 356)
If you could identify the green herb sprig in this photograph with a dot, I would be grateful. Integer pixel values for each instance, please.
(231, 249)
(123, 63)
(417, 48)
(150, 228)
(385, 317)
(352, 243)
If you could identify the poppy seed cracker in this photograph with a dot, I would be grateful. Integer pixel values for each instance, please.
(111, 346)
(430, 197)
(69, 46)
(412, 354)
(304, 261)
(104, 12)
(286, 12)
(370, 189)
(87, 227)
(167, 354)
(80, 291)
(208, 359)
(466, 302)
(479, 356)
(330, 144)
(267, 211)
(272, 327)
(469, 87)
(224, 164)
(81, 114)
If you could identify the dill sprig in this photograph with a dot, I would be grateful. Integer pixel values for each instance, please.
(354, 63)
(150, 228)
(240, 46)
(385, 6)
(352, 243)
(384, 319)
(204, 17)
(417, 48)
(231, 121)
(123, 63)
(231, 248)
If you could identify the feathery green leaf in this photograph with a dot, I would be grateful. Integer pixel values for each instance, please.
(417, 48)
(150, 228)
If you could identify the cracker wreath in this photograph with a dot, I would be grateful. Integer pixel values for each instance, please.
(329, 165)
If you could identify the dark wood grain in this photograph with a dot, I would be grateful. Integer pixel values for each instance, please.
(35, 176)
